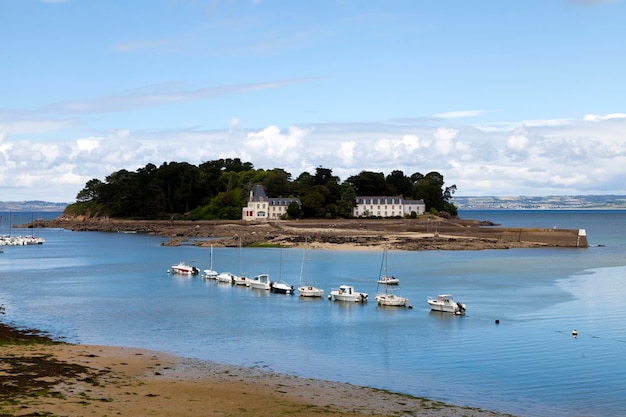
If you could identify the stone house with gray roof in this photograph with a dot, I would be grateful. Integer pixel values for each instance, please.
(262, 207)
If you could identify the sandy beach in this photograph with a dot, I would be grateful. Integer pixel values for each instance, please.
(41, 377)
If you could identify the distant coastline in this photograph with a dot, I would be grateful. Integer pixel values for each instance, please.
(32, 206)
(580, 202)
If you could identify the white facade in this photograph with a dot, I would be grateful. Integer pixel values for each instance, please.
(261, 207)
(383, 206)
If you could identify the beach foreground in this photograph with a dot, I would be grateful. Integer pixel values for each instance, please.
(40, 377)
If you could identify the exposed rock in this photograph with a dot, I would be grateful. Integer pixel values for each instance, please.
(424, 233)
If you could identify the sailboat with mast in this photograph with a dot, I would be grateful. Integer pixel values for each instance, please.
(307, 289)
(384, 277)
(241, 279)
(210, 273)
(281, 287)
(387, 298)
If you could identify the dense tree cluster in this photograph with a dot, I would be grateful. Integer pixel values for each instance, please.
(219, 189)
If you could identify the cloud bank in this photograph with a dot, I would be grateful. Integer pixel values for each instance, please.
(584, 156)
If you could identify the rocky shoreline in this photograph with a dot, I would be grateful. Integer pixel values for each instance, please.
(424, 233)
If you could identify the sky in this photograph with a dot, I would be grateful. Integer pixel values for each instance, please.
(503, 98)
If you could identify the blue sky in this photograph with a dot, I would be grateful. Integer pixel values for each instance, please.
(503, 98)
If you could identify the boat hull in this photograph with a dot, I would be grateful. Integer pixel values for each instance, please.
(280, 288)
(388, 281)
(183, 269)
(259, 285)
(261, 282)
(243, 281)
(352, 297)
(445, 304)
(310, 291)
(210, 274)
(226, 277)
(391, 300)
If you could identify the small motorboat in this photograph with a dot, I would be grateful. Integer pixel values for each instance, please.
(184, 269)
(260, 282)
(209, 274)
(389, 299)
(240, 280)
(347, 293)
(445, 303)
(281, 287)
(310, 291)
(226, 277)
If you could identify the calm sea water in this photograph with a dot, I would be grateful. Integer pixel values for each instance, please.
(114, 289)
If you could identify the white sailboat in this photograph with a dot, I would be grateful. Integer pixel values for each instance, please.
(387, 298)
(210, 273)
(241, 279)
(281, 287)
(384, 278)
(307, 289)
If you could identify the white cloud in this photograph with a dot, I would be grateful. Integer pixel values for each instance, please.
(346, 153)
(517, 142)
(410, 142)
(579, 157)
(460, 114)
(271, 144)
(444, 139)
(87, 144)
(156, 95)
(598, 118)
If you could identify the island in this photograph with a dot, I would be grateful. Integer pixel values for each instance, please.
(426, 232)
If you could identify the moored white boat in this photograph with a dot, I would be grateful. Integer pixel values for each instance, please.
(21, 240)
(260, 282)
(226, 277)
(384, 278)
(445, 303)
(281, 287)
(184, 269)
(307, 289)
(389, 299)
(347, 293)
(387, 280)
(239, 280)
(210, 273)
(310, 291)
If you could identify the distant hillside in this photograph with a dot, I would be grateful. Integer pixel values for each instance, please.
(586, 202)
(34, 205)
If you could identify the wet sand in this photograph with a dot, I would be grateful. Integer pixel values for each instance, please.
(41, 377)
(136, 382)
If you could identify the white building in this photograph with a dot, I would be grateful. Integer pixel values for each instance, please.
(383, 206)
(261, 207)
